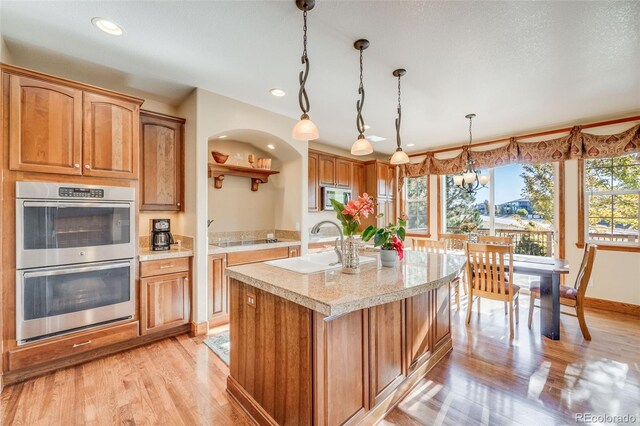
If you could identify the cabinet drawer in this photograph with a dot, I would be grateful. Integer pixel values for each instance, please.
(255, 256)
(68, 346)
(164, 266)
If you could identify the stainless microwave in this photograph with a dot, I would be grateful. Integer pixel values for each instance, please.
(328, 194)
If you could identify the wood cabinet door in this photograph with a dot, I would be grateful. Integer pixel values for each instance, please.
(357, 180)
(45, 126)
(382, 176)
(343, 173)
(294, 251)
(111, 137)
(419, 312)
(442, 310)
(312, 185)
(165, 302)
(391, 181)
(217, 294)
(326, 170)
(390, 211)
(162, 178)
(381, 207)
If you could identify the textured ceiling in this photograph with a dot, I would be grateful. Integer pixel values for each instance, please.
(519, 66)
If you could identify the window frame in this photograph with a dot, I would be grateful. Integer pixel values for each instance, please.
(559, 210)
(403, 208)
(583, 214)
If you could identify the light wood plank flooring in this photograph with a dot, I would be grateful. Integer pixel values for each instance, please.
(485, 380)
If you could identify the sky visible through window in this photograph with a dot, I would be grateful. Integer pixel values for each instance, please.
(511, 183)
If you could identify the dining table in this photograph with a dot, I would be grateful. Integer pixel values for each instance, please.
(549, 274)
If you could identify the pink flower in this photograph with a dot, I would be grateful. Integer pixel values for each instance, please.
(361, 207)
(397, 245)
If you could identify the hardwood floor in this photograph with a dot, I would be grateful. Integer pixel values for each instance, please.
(488, 380)
(485, 380)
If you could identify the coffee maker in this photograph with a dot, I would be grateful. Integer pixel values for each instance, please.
(161, 238)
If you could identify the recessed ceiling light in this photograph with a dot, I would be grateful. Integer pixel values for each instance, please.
(367, 127)
(108, 26)
(270, 146)
(411, 144)
(278, 92)
(222, 136)
(374, 138)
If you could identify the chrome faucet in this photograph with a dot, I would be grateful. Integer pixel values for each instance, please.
(316, 229)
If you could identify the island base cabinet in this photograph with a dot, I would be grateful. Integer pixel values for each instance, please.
(291, 365)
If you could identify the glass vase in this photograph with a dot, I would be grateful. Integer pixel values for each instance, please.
(350, 256)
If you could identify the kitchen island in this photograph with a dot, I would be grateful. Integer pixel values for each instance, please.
(330, 348)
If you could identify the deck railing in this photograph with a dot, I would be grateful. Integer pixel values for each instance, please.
(534, 243)
(620, 238)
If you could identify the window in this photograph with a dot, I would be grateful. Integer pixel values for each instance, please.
(416, 196)
(519, 202)
(612, 200)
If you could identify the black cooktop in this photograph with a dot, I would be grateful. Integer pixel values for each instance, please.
(245, 242)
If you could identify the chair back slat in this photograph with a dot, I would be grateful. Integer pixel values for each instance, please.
(487, 268)
(490, 239)
(584, 273)
(428, 246)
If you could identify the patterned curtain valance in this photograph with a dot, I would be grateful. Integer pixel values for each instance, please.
(576, 144)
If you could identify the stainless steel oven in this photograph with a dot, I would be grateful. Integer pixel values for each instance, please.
(75, 249)
(61, 224)
(51, 301)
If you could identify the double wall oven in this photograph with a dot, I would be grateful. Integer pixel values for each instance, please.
(75, 249)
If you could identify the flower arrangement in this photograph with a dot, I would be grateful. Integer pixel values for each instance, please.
(390, 237)
(351, 214)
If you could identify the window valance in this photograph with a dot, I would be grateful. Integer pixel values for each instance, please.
(576, 144)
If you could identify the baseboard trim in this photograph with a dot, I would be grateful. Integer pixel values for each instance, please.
(612, 305)
(199, 329)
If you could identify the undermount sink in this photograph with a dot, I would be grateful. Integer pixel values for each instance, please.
(312, 263)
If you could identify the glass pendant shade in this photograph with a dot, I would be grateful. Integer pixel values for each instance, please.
(361, 146)
(305, 130)
(399, 157)
(483, 179)
(457, 180)
(469, 177)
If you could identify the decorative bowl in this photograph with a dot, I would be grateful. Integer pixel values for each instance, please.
(219, 157)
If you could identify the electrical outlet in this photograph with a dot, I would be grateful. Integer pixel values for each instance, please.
(251, 300)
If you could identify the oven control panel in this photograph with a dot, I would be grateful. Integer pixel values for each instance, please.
(81, 192)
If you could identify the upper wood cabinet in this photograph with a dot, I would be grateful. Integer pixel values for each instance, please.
(312, 185)
(162, 159)
(45, 126)
(382, 176)
(111, 137)
(391, 181)
(60, 126)
(357, 179)
(343, 173)
(326, 170)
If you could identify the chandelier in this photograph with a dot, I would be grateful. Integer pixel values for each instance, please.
(471, 180)
(305, 129)
(399, 157)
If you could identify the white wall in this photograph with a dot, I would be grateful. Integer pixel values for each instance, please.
(5, 55)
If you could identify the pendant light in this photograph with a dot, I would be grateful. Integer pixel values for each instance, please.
(361, 146)
(305, 129)
(471, 180)
(399, 157)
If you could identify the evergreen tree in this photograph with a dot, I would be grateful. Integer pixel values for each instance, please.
(461, 206)
(538, 188)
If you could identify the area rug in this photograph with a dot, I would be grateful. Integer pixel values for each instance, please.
(219, 344)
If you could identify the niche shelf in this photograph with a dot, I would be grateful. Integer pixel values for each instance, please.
(219, 171)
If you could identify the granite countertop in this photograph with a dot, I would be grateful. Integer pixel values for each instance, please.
(214, 249)
(146, 254)
(334, 293)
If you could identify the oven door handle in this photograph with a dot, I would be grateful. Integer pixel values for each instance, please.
(63, 271)
(58, 204)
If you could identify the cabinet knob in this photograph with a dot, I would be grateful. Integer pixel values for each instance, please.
(77, 166)
(87, 166)
(178, 204)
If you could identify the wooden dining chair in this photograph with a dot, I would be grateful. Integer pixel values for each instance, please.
(488, 277)
(572, 296)
(437, 246)
(454, 241)
(490, 239)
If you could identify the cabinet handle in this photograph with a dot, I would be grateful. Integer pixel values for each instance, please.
(86, 166)
(77, 166)
(77, 345)
(167, 266)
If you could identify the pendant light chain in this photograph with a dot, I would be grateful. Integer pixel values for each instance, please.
(399, 115)
(303, 98)
(360, 103)
(470, 136)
